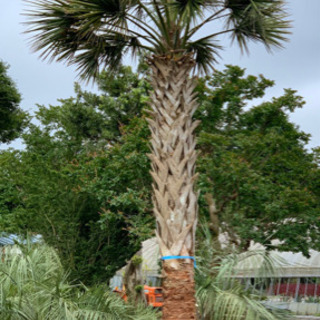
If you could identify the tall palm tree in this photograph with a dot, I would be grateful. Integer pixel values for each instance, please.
(94, 34)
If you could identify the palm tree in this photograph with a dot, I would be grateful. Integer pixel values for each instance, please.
(95, 34)
(220, 294)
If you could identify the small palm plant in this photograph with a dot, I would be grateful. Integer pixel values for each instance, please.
(95, 34)
(33, 285)
(220, 295)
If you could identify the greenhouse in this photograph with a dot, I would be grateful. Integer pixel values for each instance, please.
(286, 280)
(293, 282)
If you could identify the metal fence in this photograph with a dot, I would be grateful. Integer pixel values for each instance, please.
(300, 295)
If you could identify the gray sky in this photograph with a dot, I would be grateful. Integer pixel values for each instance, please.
(297, 66)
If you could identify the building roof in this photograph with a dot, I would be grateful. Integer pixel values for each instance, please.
(150, 259)
(12, 239)
(285, 264)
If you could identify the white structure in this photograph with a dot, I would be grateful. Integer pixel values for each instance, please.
(293, 283)
(9, 242)
(150, 265)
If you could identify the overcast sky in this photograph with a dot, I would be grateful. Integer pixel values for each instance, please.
(297, 66)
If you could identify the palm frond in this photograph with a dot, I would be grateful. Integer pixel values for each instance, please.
(59, 27)
(205, 52)
(64, 29)
(198, 6)
(220, 294)
(102, 51)
(188, 9)
(258, 20)
(33, 285)
(93, 15)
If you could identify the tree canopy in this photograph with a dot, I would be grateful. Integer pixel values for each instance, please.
(255, 163)
(83, 182)
(12, 118)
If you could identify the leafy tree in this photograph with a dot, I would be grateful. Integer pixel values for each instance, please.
(12, 118)
(254, 162)
(93, 119)
(88, 201)
(98, 33)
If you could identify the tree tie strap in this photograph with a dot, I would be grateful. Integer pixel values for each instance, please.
(179, 257)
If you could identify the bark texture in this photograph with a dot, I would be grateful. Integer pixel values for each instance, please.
(179, 293)
(173, 171)
(132, 280)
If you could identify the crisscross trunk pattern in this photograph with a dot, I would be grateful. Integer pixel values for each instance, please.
(173, 160)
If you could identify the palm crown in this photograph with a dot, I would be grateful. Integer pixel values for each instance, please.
(94, 33)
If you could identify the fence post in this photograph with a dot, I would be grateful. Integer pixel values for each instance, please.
(297, 290)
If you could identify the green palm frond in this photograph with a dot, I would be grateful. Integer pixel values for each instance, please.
(97, 13)
(101, 52)
(220, 293)
(258, 20)
(205, 52)
(198, 7)
(188, 9)
(70, 33)
(33, 285)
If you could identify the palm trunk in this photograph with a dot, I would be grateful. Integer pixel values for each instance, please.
(173, 171)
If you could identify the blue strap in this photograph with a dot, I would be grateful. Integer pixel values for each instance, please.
(179, 257)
